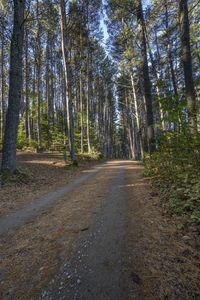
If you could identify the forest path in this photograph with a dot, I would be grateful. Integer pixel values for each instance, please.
(72, 240)
(98, 268)
(17, 218)
(101, 237)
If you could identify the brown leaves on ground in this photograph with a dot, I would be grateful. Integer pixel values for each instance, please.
(165, 259)
(38, 174)
(35, 253)
(163, 262)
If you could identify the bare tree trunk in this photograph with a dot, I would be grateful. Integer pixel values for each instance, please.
(32, 122)
(130, 130)
(15, 86)
(155, 73)
(27, 116)
(81, 93)
(146, 80)
(187, 65)
(67, 71)
(81, 109)
(63, 84)
(38, 75)
(137, 118)
(2, 84)
(48, 100)
(169, 52)
(88, 106)
(52, 88)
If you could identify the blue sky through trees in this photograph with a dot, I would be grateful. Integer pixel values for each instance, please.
(104, 27)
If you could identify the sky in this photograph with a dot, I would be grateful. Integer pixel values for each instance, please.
(104, 27)
(146, 2)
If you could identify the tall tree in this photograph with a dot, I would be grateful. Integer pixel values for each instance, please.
(38, 76)
(2, 79)
(187, 65)
(65, 52)
(15, 86)
(145, 77)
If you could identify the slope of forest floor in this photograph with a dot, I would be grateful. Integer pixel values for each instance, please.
(159, 261)
(40, 173)
(166, 259)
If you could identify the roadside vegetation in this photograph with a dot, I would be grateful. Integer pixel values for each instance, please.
(175, 172)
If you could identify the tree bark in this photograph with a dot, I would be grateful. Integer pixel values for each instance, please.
(88, 105)
(81, 93)
(187, 65)
(2, 83)
(27, 115)
(38, 75)
(48, 96)
(65, 51)
(137, 118)
(81, 109)
(155, 73)
(15, 86)
(169, 52)
(145, 78)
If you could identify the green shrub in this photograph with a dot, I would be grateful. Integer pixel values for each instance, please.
(175, 171)
(94, 155)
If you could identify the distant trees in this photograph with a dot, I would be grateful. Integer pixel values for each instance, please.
(158, 70)
(70, 92)
(66, 82)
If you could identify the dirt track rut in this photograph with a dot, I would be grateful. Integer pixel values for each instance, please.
(96, 270)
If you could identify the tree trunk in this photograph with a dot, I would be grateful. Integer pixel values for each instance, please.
(105, 119)
(15, 84)
(81, 110)
(88, 106)
(27, 116)
(2, 125)
(137, 118)
(65, 51)
(48, 100)
(155, 73)
(130, 129)
(145, 78)
(38, 75)
(52, 89)
(81, 92)
(169, 53)
(187, 65)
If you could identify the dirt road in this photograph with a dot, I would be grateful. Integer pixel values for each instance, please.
(37, 207)
(100, 237)
(95, 272)
(94, 207)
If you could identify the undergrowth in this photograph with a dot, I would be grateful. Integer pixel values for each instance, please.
(175, 171)
(80, 157)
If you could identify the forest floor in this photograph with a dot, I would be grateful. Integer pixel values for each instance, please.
(39, 174)
(100, 234)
